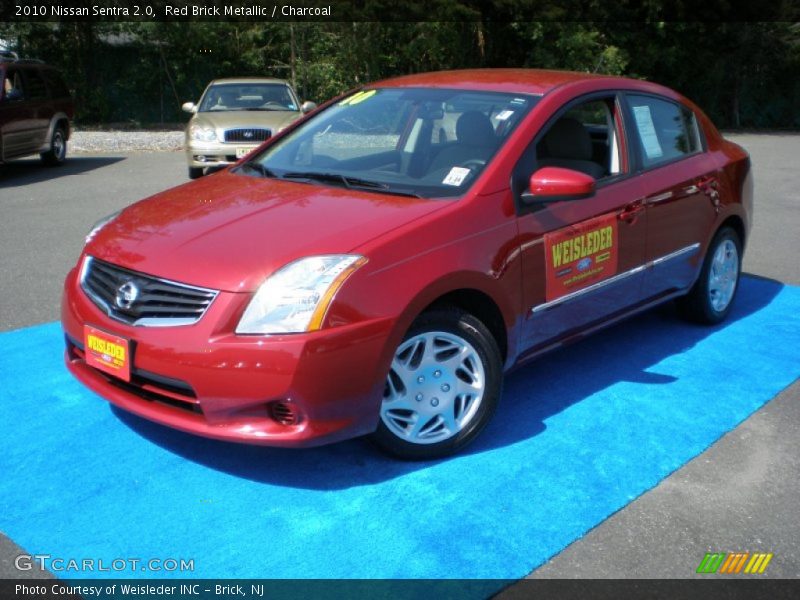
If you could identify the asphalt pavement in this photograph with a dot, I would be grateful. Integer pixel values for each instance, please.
(739, 495)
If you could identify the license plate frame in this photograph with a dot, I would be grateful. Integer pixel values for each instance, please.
(107, 352)
(242, 152)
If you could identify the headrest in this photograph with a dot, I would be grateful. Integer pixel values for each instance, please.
(568, 138)
(474, 128)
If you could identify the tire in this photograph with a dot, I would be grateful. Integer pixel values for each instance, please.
(711, 298)
(442, 388)
(57, 153)
(195, 172)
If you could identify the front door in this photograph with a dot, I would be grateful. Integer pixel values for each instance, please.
(583, 259)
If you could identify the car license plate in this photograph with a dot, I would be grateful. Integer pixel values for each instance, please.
(107, 352)
(241, 152)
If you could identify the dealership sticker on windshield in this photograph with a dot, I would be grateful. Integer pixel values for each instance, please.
(107, 352)
(357, 98)
(456, 176)
(579, 256)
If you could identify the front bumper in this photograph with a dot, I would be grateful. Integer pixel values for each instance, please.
(204, 379)
(216, 154)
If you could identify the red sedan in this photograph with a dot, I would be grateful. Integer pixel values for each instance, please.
(377, 267)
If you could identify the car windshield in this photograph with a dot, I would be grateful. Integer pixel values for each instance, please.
(248, 96)
(407, 141)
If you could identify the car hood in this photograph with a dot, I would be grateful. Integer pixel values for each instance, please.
(234, 119)
(230, 231)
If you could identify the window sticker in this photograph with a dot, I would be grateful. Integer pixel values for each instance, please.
(647, 131)
(456, 176)
(504, 115)
(357, 98)
(580, 255)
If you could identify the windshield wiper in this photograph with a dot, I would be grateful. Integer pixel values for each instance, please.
(348, 182)
(258, 168)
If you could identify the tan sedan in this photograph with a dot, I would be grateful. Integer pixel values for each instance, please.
(234, 116)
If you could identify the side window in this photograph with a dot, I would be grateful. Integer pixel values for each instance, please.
(585, 139)
(12, 85)
(58, 89)
(665, 130)
(37, 90)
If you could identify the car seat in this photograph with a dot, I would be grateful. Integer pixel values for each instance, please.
(475, 140)
(569, 145)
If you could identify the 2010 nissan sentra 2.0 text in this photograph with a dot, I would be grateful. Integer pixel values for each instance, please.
(375, 268)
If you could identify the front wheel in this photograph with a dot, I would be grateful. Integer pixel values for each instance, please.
(711, 298)
(195, 172)
(442, 388)
(57, 153)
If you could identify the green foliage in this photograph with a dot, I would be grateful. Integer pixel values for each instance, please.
(742, 74)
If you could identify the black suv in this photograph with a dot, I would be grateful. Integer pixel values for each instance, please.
(35, 110)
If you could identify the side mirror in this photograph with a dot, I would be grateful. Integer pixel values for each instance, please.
(189, 107)
(308, 106)
(555, 184)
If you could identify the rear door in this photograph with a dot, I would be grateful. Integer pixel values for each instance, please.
(582, 259)
(40, 106)
(678, 181)
(16, 116)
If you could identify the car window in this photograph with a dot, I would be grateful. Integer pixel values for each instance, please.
(665, 130)
(36, 87)
(426, 142)
(248, 96)
(12, 85)
(58, 89)
(585, 138)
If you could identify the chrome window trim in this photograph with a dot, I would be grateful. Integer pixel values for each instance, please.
(145, 321)
(616, 278)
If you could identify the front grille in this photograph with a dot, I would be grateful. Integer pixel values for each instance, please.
(138, 299)
(247, 135)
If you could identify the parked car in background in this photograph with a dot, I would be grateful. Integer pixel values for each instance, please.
(35, 110)
(234, 116)
(377, 269)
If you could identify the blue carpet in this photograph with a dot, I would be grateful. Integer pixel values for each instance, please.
(579, 434)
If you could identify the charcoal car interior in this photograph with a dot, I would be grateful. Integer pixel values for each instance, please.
(475, 140)
(569, 145)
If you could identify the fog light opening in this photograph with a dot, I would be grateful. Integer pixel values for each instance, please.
(283, 412)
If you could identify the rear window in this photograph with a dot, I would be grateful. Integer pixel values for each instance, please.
(36, 88)
(665, 130)
(58, 89)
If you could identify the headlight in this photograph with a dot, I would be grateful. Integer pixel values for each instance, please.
(203, 134)
(296, 297)
(99, 225)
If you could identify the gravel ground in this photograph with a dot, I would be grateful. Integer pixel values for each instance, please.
(111, 142)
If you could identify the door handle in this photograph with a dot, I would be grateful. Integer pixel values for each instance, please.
(631, 212)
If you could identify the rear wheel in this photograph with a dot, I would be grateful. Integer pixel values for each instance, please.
(57, 153)
(195, 172)
(442, 387)
(711, 298)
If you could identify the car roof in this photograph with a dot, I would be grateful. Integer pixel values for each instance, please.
(524, 81)
(249, 80)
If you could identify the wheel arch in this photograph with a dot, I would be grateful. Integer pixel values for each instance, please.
(481, 306)
(736, 223)
(60, 118)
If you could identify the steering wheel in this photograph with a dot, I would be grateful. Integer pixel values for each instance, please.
(273, 104)
(473, 163)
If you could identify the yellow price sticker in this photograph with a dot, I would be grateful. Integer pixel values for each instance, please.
(357, 98)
